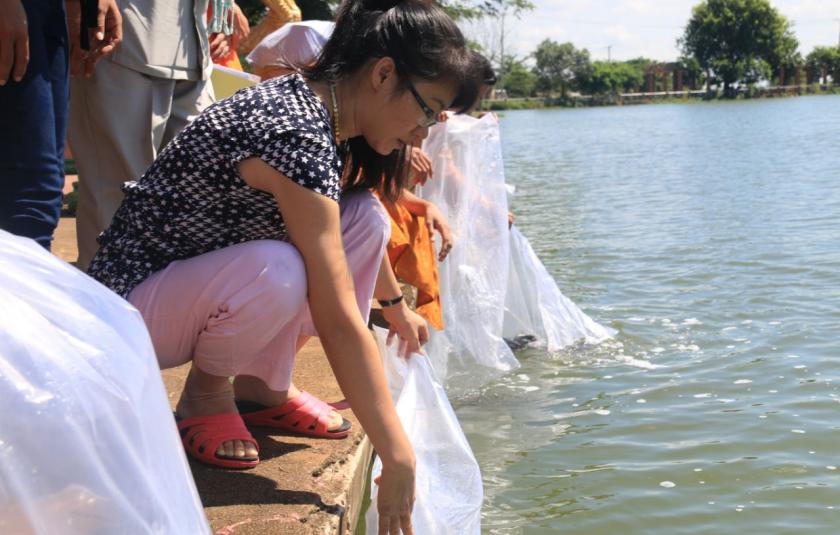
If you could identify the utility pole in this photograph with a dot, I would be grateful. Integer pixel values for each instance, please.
(609, 52)
(838, 35)
(502, 18)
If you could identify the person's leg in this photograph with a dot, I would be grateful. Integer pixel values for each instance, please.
(365, 230)
(117, 123)
(32, 126)
(221, 310)
(188, 100)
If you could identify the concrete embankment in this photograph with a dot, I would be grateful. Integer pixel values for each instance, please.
(301, 486)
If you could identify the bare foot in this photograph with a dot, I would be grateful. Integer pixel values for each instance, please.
(206, 394)
(249, 388)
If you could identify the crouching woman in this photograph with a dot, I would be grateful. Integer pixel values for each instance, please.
(255, 226)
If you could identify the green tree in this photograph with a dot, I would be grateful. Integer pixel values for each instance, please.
(488, 24)
(317, 9)
(608, 77)
(560, 66)
(823, 60)
(457, 9)
(738, 40)
(254, 10)
(693, 71)
(471, 9)
(518, 80)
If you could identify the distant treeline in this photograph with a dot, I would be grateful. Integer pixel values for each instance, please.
(727, 44)
(730, 46)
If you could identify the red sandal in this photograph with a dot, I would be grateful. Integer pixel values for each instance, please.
(202, 435)
(304, 414)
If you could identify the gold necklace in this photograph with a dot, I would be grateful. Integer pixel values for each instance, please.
(336, 122)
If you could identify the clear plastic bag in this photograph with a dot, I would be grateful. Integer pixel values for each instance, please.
(88, 444)
(535, 306)
(469, 188)
(449, 492)
(493, 286)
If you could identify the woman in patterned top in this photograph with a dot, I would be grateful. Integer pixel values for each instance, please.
(256, 227)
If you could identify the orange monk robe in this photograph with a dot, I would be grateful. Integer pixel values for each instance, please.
(412, 255)
(232, 59)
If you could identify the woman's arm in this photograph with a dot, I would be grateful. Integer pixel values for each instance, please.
(410, 326)
(434, 219)
(413, 203)
(312, 221)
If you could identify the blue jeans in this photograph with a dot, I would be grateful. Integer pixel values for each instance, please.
(33, 119)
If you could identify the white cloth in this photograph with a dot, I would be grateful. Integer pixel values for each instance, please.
(88, 444)
(295, 44)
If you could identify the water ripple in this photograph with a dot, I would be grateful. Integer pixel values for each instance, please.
(708, 236)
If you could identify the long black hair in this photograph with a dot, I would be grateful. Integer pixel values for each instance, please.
(480, 73)
(423, 42)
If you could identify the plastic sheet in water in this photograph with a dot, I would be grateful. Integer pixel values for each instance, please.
(493, 285)
(535, 306)
(468, 186)
(449, 491)
(87, 440)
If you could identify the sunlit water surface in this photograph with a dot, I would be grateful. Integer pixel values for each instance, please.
(709, 236)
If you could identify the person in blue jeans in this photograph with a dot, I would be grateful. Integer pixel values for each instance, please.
(36, 57)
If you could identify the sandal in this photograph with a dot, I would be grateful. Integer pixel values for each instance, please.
(202, 435)
(304, 414)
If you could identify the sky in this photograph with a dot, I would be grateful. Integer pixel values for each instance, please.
(649, 28)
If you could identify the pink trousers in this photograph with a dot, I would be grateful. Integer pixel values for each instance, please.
(240, 310)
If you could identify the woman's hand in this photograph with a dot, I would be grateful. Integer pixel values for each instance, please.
(219, 46)
(396, 499)
(241, 27)
(14, 41)
(436, 221)
(421, 166)
(409, 326)
(103, 39)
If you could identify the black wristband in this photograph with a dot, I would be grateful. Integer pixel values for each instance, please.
(390, 302)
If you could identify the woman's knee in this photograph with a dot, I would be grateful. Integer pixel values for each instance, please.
(363, 214)
(279, 275)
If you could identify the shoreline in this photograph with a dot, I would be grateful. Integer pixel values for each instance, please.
(637, 99)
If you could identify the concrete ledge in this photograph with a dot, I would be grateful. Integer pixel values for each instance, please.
(301, 486)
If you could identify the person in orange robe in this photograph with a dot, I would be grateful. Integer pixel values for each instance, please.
(411, 247)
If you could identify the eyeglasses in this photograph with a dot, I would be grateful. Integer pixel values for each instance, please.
(431, 115)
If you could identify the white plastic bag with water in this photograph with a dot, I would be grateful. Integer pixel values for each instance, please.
(535, 306)
(87, 440)
(468, 187)
(449, 491)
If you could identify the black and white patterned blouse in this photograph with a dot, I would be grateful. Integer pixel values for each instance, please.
(192, 200)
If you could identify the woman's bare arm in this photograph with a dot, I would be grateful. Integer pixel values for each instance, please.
(313, 223)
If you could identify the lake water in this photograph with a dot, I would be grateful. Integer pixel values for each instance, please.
(709, 236)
